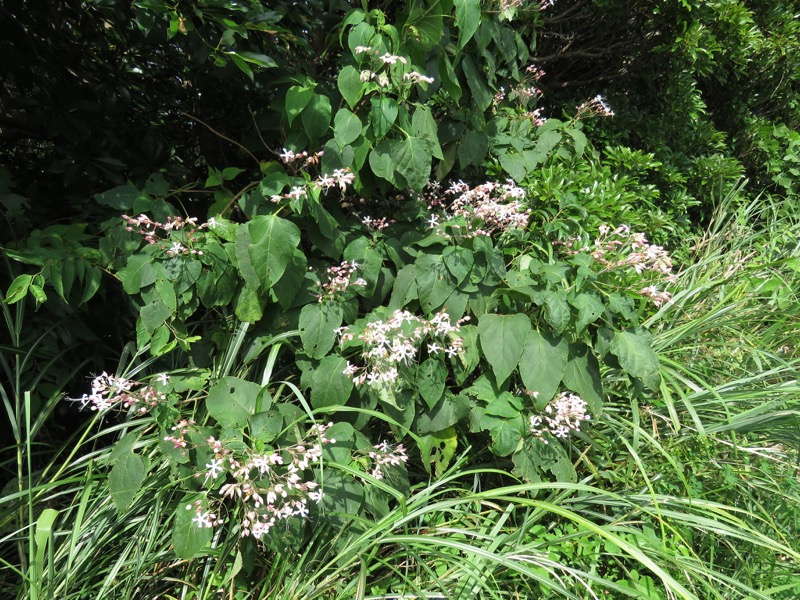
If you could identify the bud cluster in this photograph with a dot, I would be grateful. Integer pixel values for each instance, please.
(269, 486)
(109, 391)
(154, 232)
(383, 454)
(562, 416)
(338, 280)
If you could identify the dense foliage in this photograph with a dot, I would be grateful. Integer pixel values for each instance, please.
(433, 297)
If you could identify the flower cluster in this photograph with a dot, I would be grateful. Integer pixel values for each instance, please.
(390, 344)
(109, 391)
(179, 433)
(154, 232)
(416, 77)
(536, 117)
(526, 93)
(339, 278)
(382, 79)
(288, 157)
(620, 248)
(643, 256)
(341, 178)
(270, 486)
(561, 416)
(497, 207)
(383, 454)
(597, 106)
(376, 224)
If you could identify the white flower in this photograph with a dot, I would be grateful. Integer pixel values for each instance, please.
(391, 59)
(214, 468)
(162, 378)
(203, 520)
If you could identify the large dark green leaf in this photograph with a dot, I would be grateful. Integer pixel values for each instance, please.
(318, 324)
(503, 339)
(434, 284)
(125, 479)
(636, 356)
(542, 365)
(412, 159)
(582, 376)
(272, 245)
(329, 384)
(231, 401)
(383, 115)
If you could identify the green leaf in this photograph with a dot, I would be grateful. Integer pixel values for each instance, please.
(542, 365)
(423, 27)
(589, 306)
(241, 64)
(346, 127)
(446, 413)
(439, 449)
(266, 426)
(459, 262)
(248, 306)
(506, 405)
(481, 93)
(472, 148)
(297, 98)
(515, 165)
(166, 293)
(318, 324)
(360, 35)
(288, 286)
(381, 162)
(412, 160)
(430, 380)
(468, 17)
(316, 116)
(18, 288)
(119, 198)
(272, 247)
(434, 284)
(556, 309)
(187, 538)
(637, 357)
(125, 480)
(138, 273)
(383, 115)
(502, 340)
(582, 376)
(153, 315)
(256, 58)
(92, 280)
(329, 385)
(231, 401)
(506, 433)
(425, 127)
(343, 498)
(405, 288)
(350, 85)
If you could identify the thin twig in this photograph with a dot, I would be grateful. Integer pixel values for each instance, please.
(221, 135)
